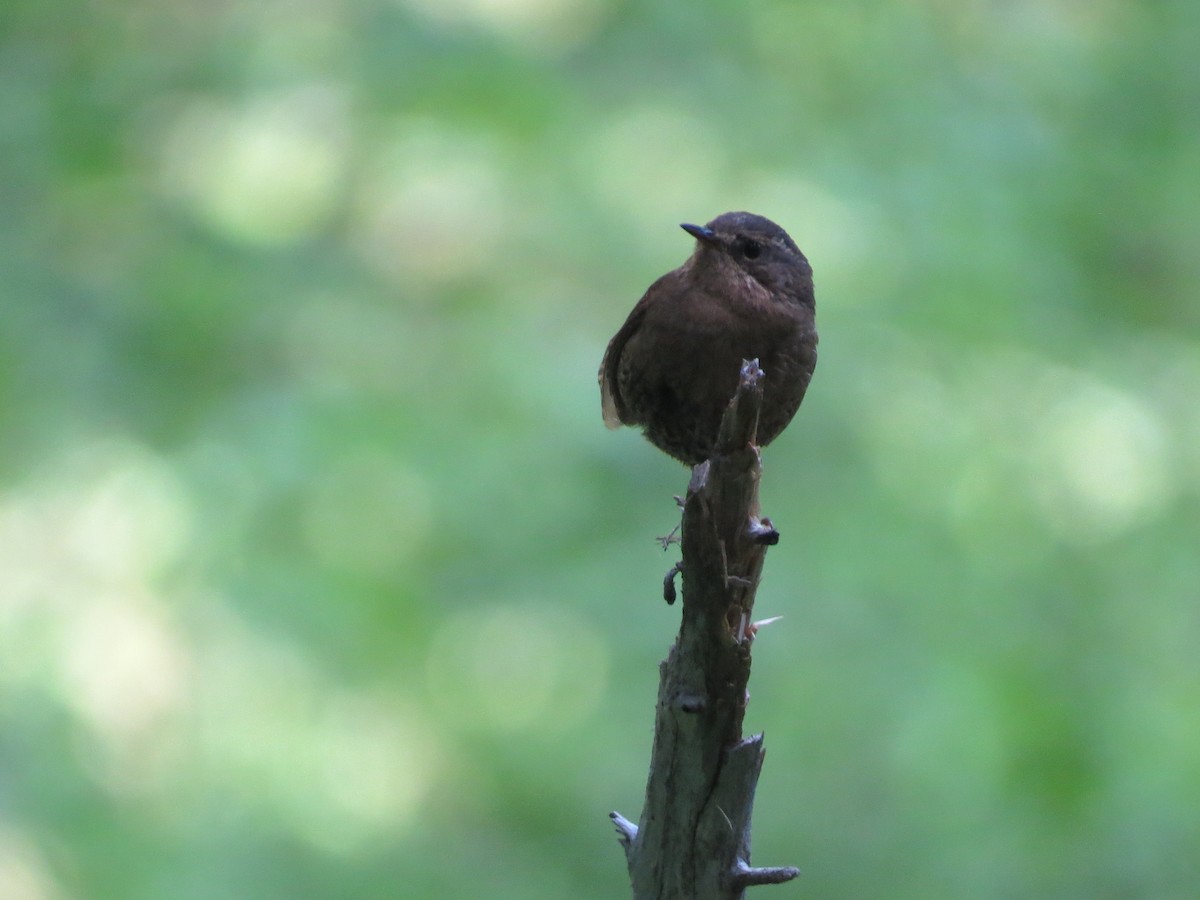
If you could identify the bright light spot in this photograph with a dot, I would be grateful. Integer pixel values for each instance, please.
(517, 668)
(374, 763)
(370, 513)
(81, 550)
(123, 667)
(433, 206)
(213, 709)
(126, 517)
(952, 436)
(543, 26)
(23, 872)
(103, 521)
(1106, 453)
(338, 767)
(266, 172)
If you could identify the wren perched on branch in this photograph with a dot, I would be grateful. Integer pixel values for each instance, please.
(745, 293)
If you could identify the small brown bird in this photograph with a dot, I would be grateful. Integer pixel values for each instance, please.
(745, 293)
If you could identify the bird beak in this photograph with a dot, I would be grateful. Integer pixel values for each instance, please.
(700, 233)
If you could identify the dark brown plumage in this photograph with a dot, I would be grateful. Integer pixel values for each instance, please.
(745, 293)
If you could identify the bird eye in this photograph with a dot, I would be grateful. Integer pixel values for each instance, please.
(751, 249)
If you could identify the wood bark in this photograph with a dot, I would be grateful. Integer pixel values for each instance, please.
(693, 839)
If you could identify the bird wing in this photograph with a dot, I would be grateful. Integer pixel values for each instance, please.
(608, 405)
(612, 404)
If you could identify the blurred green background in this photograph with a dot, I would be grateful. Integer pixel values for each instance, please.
(320, 576)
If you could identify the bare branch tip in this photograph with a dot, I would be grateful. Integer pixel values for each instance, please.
(752, 630)
(744, 876)
(762, 532)
(751, 373)
(626, 830)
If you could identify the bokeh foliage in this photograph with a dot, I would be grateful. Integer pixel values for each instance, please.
(319, 575)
